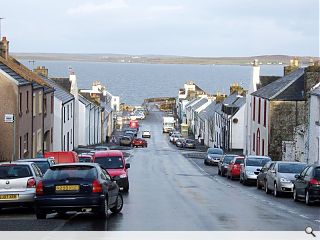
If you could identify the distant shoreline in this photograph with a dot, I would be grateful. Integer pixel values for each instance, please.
(153, 59)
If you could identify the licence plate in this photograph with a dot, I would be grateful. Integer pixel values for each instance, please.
(9, 197)
(61, 188)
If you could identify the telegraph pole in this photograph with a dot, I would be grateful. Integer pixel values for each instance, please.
(1, 18)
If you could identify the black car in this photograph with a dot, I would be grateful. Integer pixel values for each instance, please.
(214, 156)
(77, 187)
(223, 164)
(261, 178)
(307, 185)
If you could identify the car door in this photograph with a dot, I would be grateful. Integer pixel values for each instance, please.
(110, 185)
(230, 165)
(269, 176)
(299, 182)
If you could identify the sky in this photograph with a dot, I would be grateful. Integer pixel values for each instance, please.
(200, 28)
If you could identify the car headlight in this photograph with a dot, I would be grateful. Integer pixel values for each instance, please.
(123, 175)
(209, 157)
(284, 180)
(249, 173)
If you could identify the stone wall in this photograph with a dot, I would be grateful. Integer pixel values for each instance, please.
(284, 117)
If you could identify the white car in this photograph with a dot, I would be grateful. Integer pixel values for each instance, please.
(146, 134)
(174, 137)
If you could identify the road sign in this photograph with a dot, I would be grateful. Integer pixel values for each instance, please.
(8, 118)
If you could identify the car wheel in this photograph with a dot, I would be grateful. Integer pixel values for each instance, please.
(308, 202)
(103, 209)
(258, 184)
(205, 162)
(266, 187)
(119, 204)
(126, 187)
(219, 172)
(295, 196)
(276, 193)
(40, 214)
(240, 179)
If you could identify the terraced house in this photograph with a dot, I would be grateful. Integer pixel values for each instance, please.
(26, 96)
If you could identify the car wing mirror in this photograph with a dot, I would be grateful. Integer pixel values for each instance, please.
(297, 176)
(127, 165)
(115, 178)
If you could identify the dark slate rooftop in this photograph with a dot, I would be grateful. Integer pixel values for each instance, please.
(199, 103)
(218, 108)
(60, 93)
(191, 102)
(13, 74)
(208, 112)
(284, 88)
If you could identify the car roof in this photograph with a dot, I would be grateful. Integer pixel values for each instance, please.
(84, 155)
(292, 162)
(75, 164)
(108, 153)
(16, 163)
(257, 156)
(35, 160)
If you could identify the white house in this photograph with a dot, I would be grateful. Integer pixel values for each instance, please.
(63, 124)
(313, 153)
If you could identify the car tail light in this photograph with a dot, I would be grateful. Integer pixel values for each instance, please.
(96, 187)
(39, 188)
(31, 183)
(314, 181)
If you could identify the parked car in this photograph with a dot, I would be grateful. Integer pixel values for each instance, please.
(43, 163)
(102, 148)
(139, 142)
(115, 164)
(63, 157)
(77, 187)
(146, 134)
(261, 178)
(129, 134)
(189, 143)
(233, 170)
(280, 176)
(307, 185)
(18, 183)
(173, 131)
(214, 156)
(251, 167)
(223, 164)
(174, 137)
(180, 142)
(125, 141)
(85, 157)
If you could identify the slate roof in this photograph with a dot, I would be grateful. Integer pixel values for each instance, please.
(191, 102)
(316, 91)
(60, 93)
(208, 112)
(13, 74)
(289, 87)
(199, 103)
(218, 108)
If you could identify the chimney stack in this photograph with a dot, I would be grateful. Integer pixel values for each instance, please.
(4, 48)
(294, 65)
(42, 71)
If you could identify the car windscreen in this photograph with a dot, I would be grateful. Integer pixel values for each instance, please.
(14, 171)
(239, 160)
(110, 162)
(71, 172)
(215, 151)
(227, 159)
(84, 159)
(317, 173)
(258, 162)
(44, 166)
(189, 141)
(290, 167)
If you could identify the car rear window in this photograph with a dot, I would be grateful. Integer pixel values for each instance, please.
(14, 171)
(259, 162)
(84, 159)
(110, 162)
(317, 172)
(190, 141)
(228, 159)
(239, 160)
(215, 151)
(71, 172)
(291, 167)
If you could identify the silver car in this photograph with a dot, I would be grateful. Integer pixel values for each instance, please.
(18, 182)
(43, 163)
(251, 167)
(280, 177)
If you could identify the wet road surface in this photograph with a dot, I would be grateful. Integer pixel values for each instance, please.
(171, 192)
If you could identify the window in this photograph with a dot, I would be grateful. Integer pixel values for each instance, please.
(259, 111)
(45, 106)
(68, 141)
(27, 102)
(20, 103)
(52, 102)
(40, 102)
(64, 142)
(25, 143)
(20, 146)
(68, 113)
(265, 113)
(258, 142)
(34, 110)
(309, 171)
(64, 114)
(254, 142)
(262, 147)
(254, 109)
(71, 110)
(71, 136)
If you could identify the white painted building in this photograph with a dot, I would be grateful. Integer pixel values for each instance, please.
(313, 153)
(63, 124)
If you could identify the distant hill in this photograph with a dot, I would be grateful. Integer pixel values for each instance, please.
(157, 59)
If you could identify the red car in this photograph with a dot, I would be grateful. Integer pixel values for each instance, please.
(233, 170)
(115, 164)
(139, 142)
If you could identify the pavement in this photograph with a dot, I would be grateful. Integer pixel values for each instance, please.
(169, 190)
